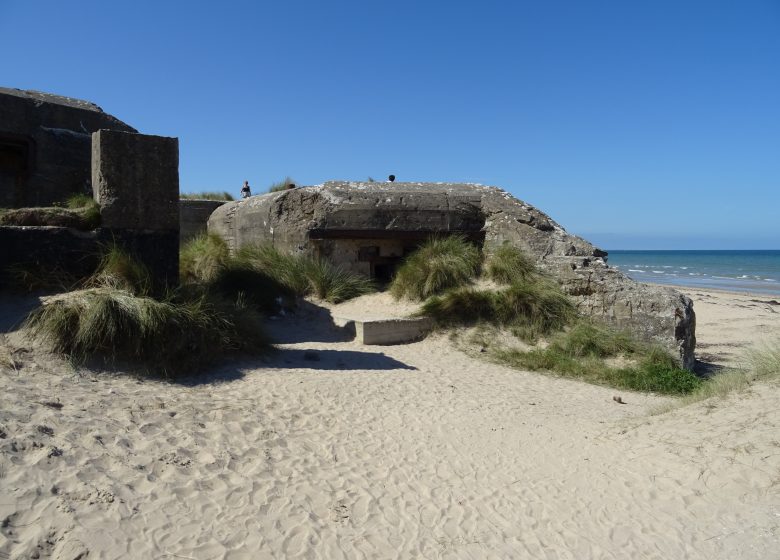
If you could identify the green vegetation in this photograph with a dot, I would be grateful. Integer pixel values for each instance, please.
(531, 306)
(165, 338)
(530, 309)
(119, 271)
(264, 274)
(583, 352)
(83, 214)
(281, 185)
(115, 320)
(207, 195)
(507, 264)
(761, 365)
(303, 275)
(441, 263)
(202, 257)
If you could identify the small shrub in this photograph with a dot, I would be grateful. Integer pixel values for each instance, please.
(202, 258)
(207, 195)
(507, 264)
(439, 264)
(281, 185)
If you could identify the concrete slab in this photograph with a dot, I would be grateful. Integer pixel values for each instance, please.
(388, 331)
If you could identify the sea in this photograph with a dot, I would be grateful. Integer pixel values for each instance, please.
(743, 271)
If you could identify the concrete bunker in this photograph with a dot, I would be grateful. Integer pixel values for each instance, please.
(376, 254)
(370, 227)
(53, 147)
(16, 163)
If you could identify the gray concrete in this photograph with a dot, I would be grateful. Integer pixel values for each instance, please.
(387, 331)
(194, 216)
(368, 227)
(135, 180)
(45, 146)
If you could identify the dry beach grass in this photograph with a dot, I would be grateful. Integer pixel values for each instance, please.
(328, 449)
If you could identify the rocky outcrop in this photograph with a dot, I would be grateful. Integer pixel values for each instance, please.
(296, 220)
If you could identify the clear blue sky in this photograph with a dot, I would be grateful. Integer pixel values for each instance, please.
(637, 124)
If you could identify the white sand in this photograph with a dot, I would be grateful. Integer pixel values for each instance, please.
(413, 451)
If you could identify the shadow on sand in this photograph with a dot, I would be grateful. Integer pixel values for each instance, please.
(309, 323)
(14, 309)
(707, 369)
(344, 360)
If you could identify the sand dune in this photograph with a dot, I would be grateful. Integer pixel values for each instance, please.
(328, 449)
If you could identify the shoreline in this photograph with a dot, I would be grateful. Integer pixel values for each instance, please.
(685, 289)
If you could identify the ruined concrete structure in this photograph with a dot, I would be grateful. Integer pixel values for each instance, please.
(52, 147)
(370, 227)
(194, 216)
(45, 146)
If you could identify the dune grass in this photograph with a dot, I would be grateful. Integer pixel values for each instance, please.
(114, 320)
(303, 275)
(207, 195)
(507, 264)
(281, 185)
(165, 338)
(580, 353)
(118, 270)
(334, 283)
(530, 309)
(202, 257)
(441, 263)
(760, 365)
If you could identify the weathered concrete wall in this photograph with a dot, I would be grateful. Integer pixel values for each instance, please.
(45, 146)
(77, 253)
(194, 217)
(135, 180)
(299, 220)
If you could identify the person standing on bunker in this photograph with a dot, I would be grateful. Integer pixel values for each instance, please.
(246, 192)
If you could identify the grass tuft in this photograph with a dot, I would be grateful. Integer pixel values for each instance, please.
(120, 271)
(165, 338)
(439, 264)
(281, 185)
(333, 283)
(507, 264)
(303, 275)
(202, 258)
(531, 309)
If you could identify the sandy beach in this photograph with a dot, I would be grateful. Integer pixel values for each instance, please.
(330, 449)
